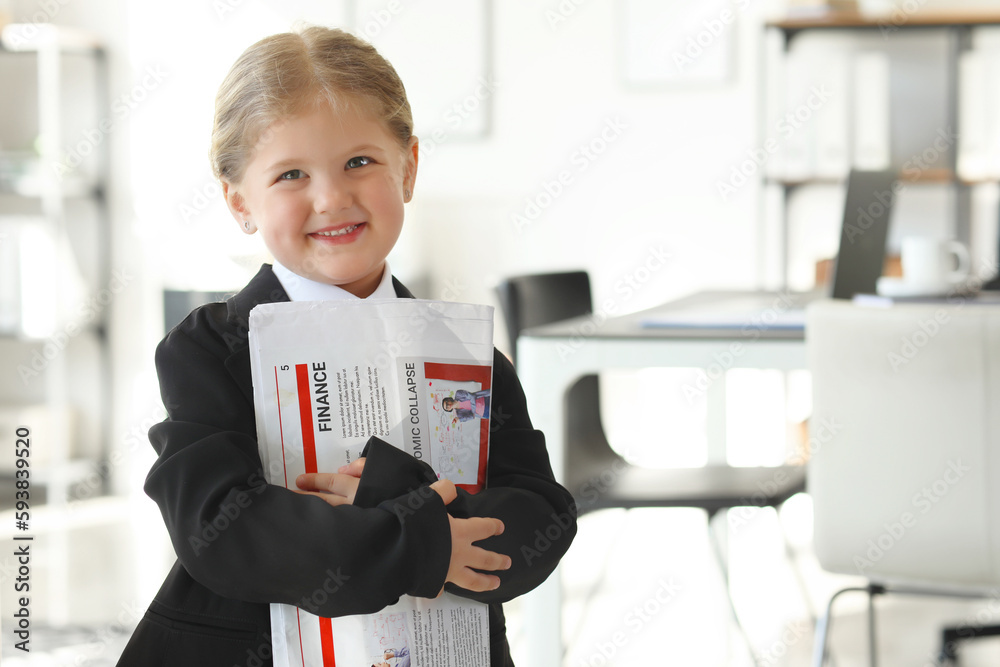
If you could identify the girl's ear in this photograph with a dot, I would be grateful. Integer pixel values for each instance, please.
(410, 169)
(238, 207)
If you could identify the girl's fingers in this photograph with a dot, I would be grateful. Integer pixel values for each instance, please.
(466, 558)
(471, 580)
(318, 481)
(477, 582)
(481, 527)
(490, 561)
(446, 489)
(329, 498)
(354, 468)
(328, 483)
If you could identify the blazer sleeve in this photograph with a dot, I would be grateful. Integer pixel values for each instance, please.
(245, 539)
(539, 515)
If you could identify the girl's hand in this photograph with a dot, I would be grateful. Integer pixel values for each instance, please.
(337, 488)
(466, 558)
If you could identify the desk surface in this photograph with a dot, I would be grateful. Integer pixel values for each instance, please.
(726, 315)
(722, 315)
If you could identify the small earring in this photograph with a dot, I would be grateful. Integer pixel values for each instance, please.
(406, 194)
(246, 225)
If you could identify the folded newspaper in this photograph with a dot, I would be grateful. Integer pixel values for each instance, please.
(327, 375)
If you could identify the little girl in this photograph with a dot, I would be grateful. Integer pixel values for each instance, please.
(314, 148)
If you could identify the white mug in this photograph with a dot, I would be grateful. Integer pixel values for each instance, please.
(934, 262)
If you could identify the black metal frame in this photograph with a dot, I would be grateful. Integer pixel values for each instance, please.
(950, 637)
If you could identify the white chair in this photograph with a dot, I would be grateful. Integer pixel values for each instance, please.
(905, 439)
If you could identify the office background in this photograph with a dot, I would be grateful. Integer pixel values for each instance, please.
(606, 136)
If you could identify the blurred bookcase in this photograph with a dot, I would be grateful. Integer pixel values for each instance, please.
(907, 91)
(56, 287)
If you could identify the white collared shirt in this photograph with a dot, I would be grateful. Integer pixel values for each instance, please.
(303, 289)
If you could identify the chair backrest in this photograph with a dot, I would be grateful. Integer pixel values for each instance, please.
(905, 441)
(533, 300)
(177, 304)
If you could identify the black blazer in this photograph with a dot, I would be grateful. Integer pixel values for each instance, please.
(242, 543)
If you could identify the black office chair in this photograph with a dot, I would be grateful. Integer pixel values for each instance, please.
(596, 475)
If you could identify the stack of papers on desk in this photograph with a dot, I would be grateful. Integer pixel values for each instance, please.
(770, 315)
(985, 298)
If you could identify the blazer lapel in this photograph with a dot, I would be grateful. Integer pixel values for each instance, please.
(263, 288)
(401, 290)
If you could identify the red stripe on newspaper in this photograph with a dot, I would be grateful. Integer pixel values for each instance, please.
(305, 415)
(309, 454)
(281, 429)
(298, 622)
(326, 635)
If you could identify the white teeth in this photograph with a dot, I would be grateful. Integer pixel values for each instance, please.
(339, 232)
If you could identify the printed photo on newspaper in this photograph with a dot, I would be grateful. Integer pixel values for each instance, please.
(416, 373)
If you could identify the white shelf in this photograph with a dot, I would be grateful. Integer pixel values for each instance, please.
(951, 31)
(34, 37)
(56, 250)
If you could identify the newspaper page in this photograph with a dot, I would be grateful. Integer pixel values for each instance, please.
(417, 374)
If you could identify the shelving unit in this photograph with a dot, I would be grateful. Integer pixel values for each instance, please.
(55, 254)
(958, 27)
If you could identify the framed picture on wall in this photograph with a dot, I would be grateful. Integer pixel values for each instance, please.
(677, 43)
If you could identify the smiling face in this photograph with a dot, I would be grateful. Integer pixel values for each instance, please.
(326, 192)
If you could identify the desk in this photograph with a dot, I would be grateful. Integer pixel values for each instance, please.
(755, 334)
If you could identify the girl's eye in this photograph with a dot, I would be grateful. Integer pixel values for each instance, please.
(359, 161)
(291, 175)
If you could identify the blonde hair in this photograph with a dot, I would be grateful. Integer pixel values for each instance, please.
(282, 74)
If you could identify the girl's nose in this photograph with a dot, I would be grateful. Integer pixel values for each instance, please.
(331, 197)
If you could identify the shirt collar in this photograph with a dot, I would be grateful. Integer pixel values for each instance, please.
(303, 289)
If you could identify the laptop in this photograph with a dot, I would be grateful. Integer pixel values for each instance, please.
(863, 233)
(860, 259)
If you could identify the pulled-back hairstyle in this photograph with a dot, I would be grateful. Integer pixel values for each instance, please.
(283, 74)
